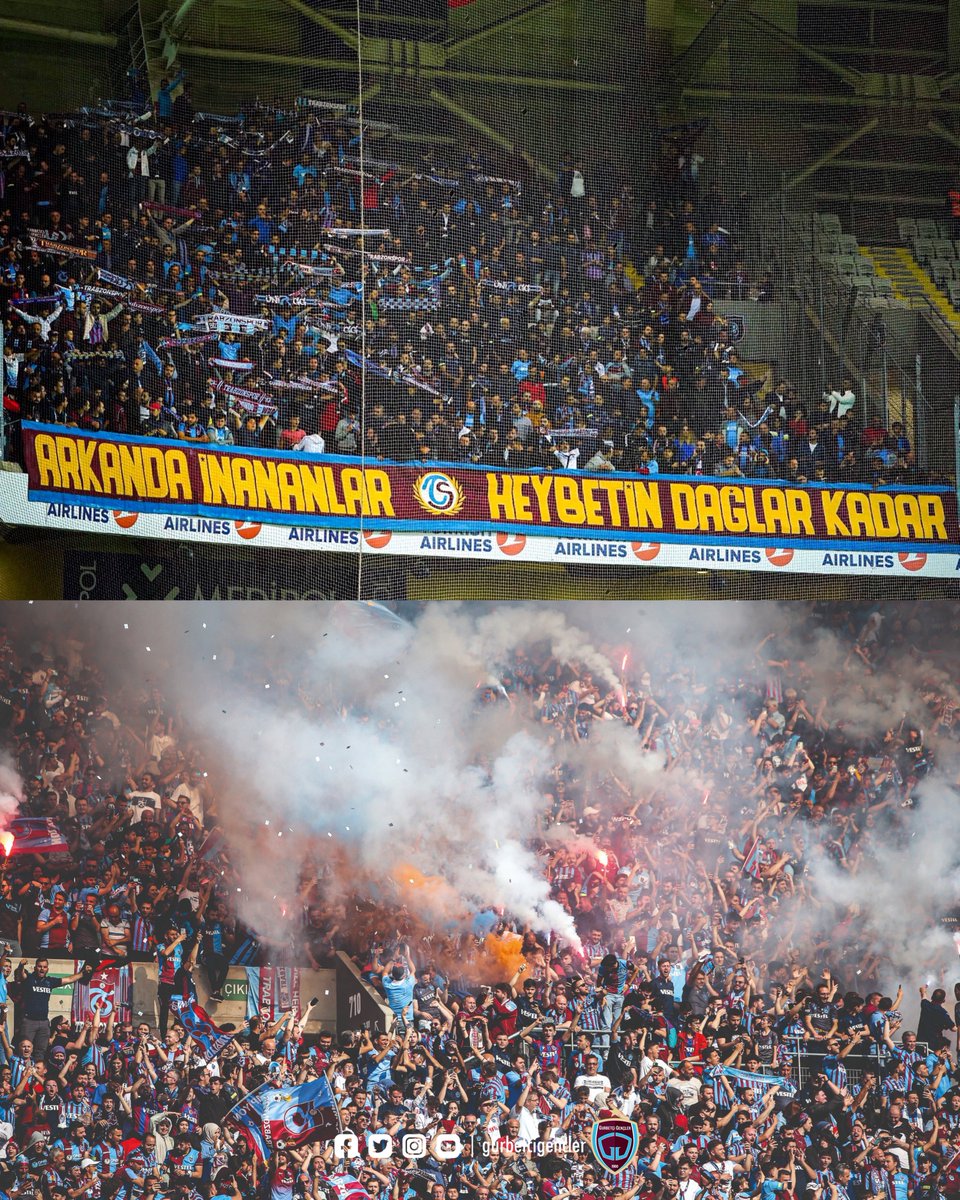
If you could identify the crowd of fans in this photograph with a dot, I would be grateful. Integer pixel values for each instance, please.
(755, 1049)
(485, 317)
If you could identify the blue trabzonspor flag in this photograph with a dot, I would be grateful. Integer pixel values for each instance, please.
(367, 364)
(272, 1115)
(346, 294)
(211, 1038)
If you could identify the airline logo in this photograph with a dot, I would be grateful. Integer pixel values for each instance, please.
(377, 539)
(912, 562)
(126, 520)
(247, 529)
(511, 544)
(645, 551)
(779, 556)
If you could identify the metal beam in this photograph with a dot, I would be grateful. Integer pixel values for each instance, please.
(271, 60)
(880, 51)
(349, 39)
(879, 6)
(56, 32)
(531, 81)
(927, 103)
(877, 164)
(482, 127)
(953, 33)
(688, 64)
(942, 131)
(348, 14)
(836, 149)
(885, 198)
(848, 74)
(177, 19)
(460, 44)
(380, 68)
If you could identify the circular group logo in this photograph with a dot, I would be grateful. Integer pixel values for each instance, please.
(779, 556)
(645, 551)
(126, 520)
(247, 529)
(912, 562)
(615, 1143)
(511, 543)
(377, 539)
(439, 493)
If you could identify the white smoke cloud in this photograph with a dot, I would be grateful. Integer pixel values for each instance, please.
(11, 790)
(382, 768)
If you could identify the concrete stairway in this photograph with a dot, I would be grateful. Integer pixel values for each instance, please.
(910, 280)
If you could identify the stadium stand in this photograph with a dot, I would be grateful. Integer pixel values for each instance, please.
(711, 962)
(669, 304)
(505, 321)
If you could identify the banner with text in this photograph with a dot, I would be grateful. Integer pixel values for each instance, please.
(155, 475)
(98, 575)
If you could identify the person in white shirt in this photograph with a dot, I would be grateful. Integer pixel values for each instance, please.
(689, 1188)
(311, 443)
(143, 797)
(44, 324)
(685, 1083)
(598, 1085)
(190, 786)
(841, 399)
(719, 1170)
(568, 457)
(625, 1098)
(527, 1112)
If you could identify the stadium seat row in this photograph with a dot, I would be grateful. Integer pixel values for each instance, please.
(923, 227)
(943, 270)
(848, 264)
(829, 243)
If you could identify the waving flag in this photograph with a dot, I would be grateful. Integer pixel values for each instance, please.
(211, 1038)
(272, 991)
(293, 1115)
(752, 1079)
(347, 1187)
(107, 992)
(752, 860)
(34, 835)
(214, 845)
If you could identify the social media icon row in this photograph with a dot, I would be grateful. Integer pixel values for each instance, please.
(445, 1146)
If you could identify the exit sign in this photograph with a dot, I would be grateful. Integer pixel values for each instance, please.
(236, 989)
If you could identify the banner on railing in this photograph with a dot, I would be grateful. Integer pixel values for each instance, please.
(155, 475)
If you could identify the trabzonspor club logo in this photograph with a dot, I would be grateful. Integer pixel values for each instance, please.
(615, 1143)
(439, 493)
